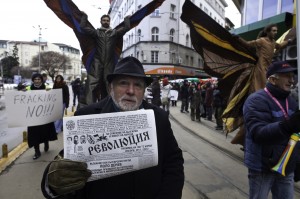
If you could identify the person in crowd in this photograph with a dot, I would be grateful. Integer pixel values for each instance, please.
(203, 94)
(184, 93)
(174, 94)
(195, 97)
(76, 84)
(265, 46)
(41, 133)
(104, 61)
(271, 116)
(166, 95)
(155, 90)
(45, 78)
(21, 87)
(59, 83)
(219, 105)
(208, 101)
(126, 90)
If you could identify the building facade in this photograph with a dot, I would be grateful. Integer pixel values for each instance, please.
(255, 15)
(162, 41)
(27, 50)
(253, 11)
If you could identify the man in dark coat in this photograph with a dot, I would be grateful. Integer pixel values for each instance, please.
(155, 90)
(76, 84)
(271, 116)
(103, 64)
(165, 181)
(184, 93)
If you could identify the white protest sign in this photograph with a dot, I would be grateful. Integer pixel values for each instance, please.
(112, 143)
(34, 107)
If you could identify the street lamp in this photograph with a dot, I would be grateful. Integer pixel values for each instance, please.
(40, 36)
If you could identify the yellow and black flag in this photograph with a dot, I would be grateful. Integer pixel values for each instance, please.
(224, 57)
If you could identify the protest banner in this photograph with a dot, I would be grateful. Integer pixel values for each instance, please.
(32, 108)
(112, 143)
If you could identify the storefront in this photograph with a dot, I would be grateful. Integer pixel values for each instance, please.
(174, 71)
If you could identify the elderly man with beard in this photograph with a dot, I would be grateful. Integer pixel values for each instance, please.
(165, 181)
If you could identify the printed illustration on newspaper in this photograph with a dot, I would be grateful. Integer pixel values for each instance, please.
(112, 143)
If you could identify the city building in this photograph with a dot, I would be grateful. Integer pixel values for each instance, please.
(27, 50)
(255, 15)
(162, 41)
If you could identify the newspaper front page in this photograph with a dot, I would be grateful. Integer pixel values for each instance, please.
(112, 143)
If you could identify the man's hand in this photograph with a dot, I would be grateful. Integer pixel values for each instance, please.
(66, 176)
(292, 125)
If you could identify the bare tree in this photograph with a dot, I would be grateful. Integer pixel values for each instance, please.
(51, 62)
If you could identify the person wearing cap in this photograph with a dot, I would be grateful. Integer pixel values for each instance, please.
(126, 90)
(40, 133)
(271, 116)
(266, 48)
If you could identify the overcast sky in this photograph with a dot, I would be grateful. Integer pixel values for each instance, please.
(17, 18)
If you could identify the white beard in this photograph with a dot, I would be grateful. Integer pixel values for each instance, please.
(123, 106)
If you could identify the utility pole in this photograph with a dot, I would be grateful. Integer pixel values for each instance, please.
(40, 36)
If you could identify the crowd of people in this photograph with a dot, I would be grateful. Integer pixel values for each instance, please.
(271, 116)
(199, 99)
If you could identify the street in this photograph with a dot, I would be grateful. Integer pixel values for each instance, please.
(213, 166)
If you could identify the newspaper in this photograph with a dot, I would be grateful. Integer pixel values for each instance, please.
(112, 143)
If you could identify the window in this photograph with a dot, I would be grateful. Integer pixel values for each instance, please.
(139, 32)
(269, 8)
(251, 11)
(172, 32)
(187, 40)
(154, 56)
(138, 55)
(201, 6)
(187, 59)
(287, 6)
(155, 13)
(205, 10)
(154, 32)
(192, 61)
(172, 11)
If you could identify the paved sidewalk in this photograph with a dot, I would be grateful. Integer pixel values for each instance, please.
(193, 126)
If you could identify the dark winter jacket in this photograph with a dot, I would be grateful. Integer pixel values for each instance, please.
(41, 133)
(164, 181)
(106, 40)
(155, 89)
(76, 84)
(65, 92)
(265, 141)
(184, 91)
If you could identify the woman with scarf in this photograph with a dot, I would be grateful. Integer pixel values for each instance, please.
(41, 133)
(59, 83)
